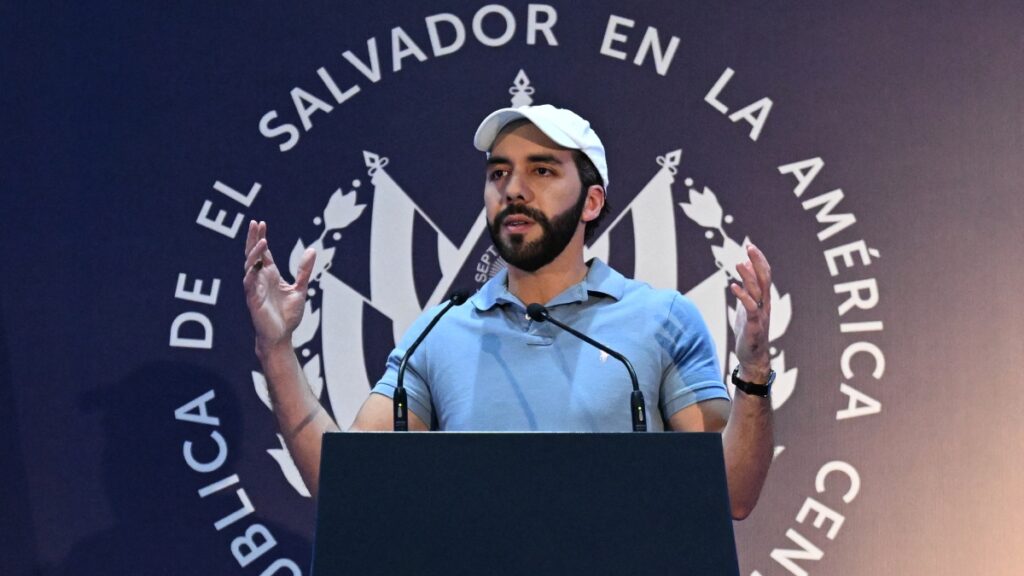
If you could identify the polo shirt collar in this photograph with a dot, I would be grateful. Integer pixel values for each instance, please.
(600, 279)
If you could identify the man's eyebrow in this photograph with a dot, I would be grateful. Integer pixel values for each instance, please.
(544, 158)
(535, 158)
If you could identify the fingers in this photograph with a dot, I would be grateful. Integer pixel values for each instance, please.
(750, 287)
(749, 303)
(761, 268)
(305, 270)
(251, 237)
(756, 276)
(257, 233)
(268, 258)
(256, 258)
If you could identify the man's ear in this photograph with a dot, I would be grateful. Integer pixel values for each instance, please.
(595, 202)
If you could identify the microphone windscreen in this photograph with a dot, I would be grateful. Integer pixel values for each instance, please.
(458, 297)
(537, 312)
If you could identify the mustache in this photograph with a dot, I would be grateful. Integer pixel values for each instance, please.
(514, 209)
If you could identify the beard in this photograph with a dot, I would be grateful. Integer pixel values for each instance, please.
(556, 234)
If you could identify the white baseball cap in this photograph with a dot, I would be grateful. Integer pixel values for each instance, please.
(564, 127)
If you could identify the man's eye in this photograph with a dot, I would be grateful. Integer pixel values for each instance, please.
(496, 174)
(544, 171)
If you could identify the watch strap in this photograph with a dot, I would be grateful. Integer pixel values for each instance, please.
(762, 390)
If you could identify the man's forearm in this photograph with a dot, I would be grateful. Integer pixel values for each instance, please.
(748, 444)
(300, 416)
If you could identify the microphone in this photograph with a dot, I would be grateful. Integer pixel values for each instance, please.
(400, 404)
(538, 313)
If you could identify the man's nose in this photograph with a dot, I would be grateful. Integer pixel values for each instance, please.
(517, 189)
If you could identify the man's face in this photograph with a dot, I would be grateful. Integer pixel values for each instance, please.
(534, 197)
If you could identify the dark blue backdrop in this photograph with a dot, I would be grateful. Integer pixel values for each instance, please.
(118, 120)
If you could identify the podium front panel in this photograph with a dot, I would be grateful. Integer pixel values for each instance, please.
(523, 504)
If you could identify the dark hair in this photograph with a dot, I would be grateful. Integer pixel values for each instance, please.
(589, 176)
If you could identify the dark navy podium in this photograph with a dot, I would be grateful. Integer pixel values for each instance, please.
(521, 504)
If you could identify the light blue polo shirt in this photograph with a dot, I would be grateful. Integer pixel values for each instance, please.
(487, 367)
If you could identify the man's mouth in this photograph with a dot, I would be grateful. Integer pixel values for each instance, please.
(517, 223)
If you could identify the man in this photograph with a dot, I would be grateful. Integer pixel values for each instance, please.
(488, 367)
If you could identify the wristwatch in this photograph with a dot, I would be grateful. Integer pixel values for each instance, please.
(762, 390)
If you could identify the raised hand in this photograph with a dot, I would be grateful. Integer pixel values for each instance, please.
(276, 306)
(753, 316)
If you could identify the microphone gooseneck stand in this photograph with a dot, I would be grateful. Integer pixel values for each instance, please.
(637, 409)
(400, 402)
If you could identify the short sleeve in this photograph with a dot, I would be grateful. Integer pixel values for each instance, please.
(416, 380)
(691, 371)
